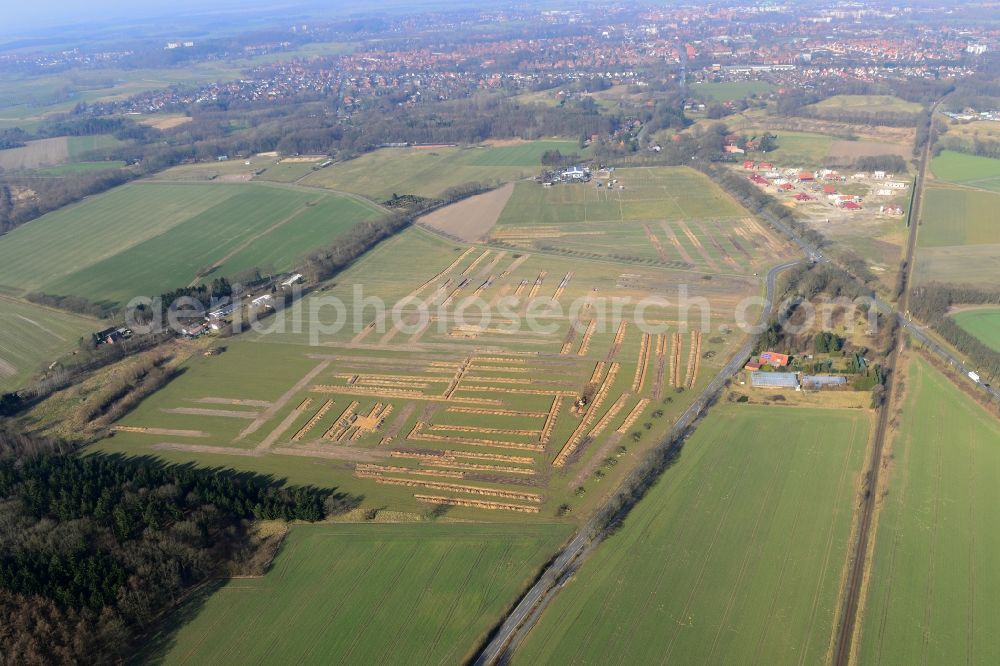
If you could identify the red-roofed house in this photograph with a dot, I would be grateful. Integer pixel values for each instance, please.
(748, 164)
(850, 205)
(802, 196)
(829, 189)
(806, 175)
(766, 166)
(785, 186)
(759, 180)
(774, 359)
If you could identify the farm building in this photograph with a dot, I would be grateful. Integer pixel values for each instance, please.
(802, 196)
(774, 380)
(261, 301)
(576, 173)
(823, 381)
(225, 310)
(291, 280)
(774, 359)
(896, 185)
(112, 335)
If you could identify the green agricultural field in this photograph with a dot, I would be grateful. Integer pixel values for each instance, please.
(959, 237)
(429, 171)
(54, 151)
(970, 170)
(934, 592)
(954, 216)
(868, 103)
(735, 556)
(731, 90)
(984, 323)
(366, 594)
(77, 167)
(32, 336)
(670, 216)
(795, 149)
(143, 239)
(79, 146)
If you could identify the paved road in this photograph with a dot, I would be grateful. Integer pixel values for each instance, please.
(525, 614)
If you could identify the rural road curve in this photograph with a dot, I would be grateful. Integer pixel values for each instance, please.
(525, 614)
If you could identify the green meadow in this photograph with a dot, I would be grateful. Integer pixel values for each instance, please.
(672, 216)
(731, 90)
(795, 149)
(933, 596)
(868, 103)
(970, 170)
(959, 216)
(33, 336)
(984, 323)
(146, 238)
(734, 556)
(429, 171)
(424, 593)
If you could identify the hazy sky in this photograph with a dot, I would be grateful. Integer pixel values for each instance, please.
(17, 19)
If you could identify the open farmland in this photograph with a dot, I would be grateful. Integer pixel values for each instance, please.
(795, 149)
(820, 128)
(668, 216)
(35, 154)
(959, 238)
(984, 323)
(53, 152)
(731, 90)
(970, 170)
(933, 591)
(146, 238)
(970, 130)
(735, 556)
(77, 167)
(472, 218)
(846, 152)
(366, 594)
(452, 409)
(430, 170)
(32, 336)
(867, 103)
